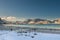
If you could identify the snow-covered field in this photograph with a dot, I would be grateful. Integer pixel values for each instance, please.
(12, 35)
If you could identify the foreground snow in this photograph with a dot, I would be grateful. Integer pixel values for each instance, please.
(12, 35)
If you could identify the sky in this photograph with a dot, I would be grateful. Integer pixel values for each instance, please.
(30, 8)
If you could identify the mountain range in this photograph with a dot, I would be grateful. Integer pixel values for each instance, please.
(14, 20)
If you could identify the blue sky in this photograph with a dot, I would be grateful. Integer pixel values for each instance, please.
(30, 8)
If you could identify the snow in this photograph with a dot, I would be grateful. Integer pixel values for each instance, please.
(12, 35)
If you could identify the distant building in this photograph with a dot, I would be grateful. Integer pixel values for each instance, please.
(31, 22)
(42, 22)
(57, 21)
(1, 21)
(10, 18)
(38, 22)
